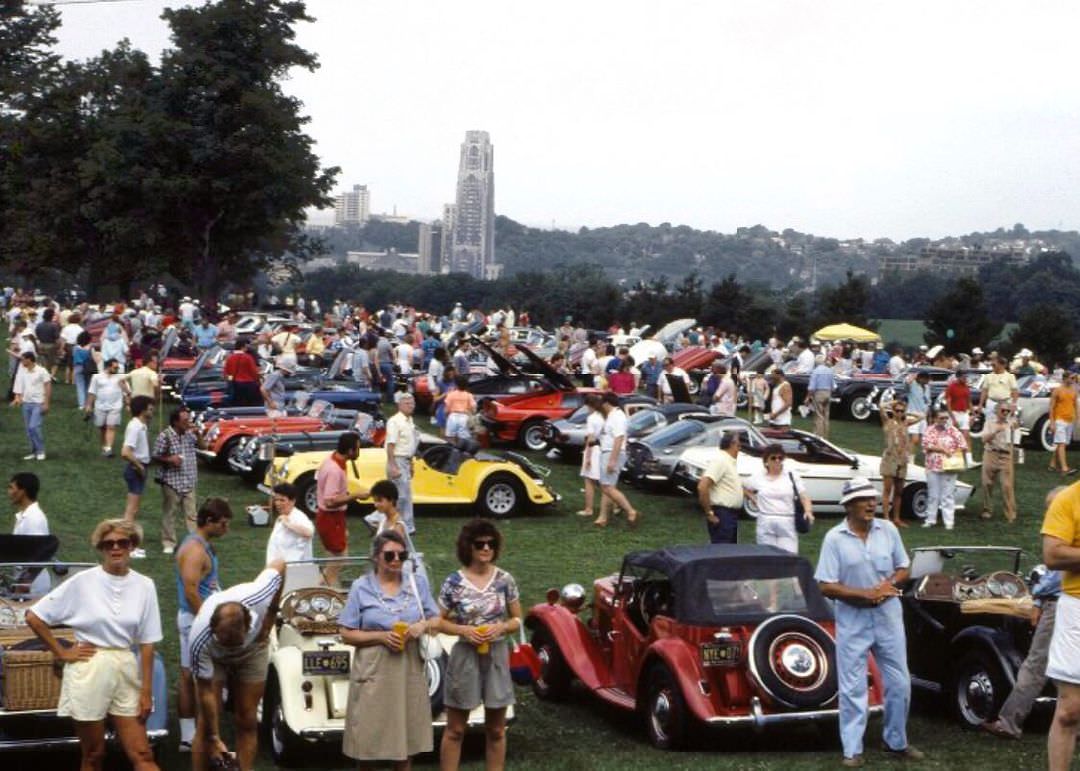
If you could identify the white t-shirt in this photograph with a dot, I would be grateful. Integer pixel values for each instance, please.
(135, 438)
(105, 610)
(108, 395)
(590, 364)
(775, 496)
(31, 385)
(805, 362)
(594, 426)
(70, 333)
(31, 521)
(404, 358)
(614, 427)
(256, 596)
(665, 384)
(896, 366)
(288, 545)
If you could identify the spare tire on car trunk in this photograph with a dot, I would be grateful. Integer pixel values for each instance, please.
(793, 662)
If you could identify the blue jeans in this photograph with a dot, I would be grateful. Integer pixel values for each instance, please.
(387, 372)
(727, 529)
(32, 419)
(80, 386)
(860, 631)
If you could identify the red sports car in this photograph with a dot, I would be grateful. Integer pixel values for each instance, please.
(697, 636)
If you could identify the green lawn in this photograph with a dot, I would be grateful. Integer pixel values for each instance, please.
(79, 488)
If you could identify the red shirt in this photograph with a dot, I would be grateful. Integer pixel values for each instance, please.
(241, 367)
(958, 395)
(621, 382)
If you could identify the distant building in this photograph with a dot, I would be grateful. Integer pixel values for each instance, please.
(473, 249)
(391, 259)
(449, 217)
(318, 263)
(353, 207)
(953, 260)
(398, 219)
(429, 248)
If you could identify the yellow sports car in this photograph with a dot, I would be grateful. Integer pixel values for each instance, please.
(497, 483)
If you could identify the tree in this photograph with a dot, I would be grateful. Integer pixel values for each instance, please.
(796, 318)
(239, 168)
(846, 302)
(730, 307)
(1048, 331)
(958, 319)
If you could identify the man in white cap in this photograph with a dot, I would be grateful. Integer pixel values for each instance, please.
(976, 356)
(862, 564)
(273, 385)
(401, 442)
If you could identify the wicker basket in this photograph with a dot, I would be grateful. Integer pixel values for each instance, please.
(30, 680)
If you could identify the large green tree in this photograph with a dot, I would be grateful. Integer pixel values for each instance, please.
(1048, 330)
(959, 319)
(239, 170)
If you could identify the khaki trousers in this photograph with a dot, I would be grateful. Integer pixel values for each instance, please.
(170, 502)
(822, 402)
(998, 467)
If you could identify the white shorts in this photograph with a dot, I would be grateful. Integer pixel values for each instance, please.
(106, 417)
(184, 620)
(961, 419)
(778, 530)
(917, 428)
(593, 456)
(105, 684)
(1063, 432)
(1064, 661)
(611, 479)
(457, 426)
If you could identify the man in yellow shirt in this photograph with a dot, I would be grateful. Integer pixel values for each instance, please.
(143, 380)
(1061, 551)
(720, 492)
(1062, 419)
(999, 386)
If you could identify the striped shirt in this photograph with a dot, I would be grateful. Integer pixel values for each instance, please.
(256, 596)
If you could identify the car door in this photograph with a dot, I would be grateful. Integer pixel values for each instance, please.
(823, 471)
(446, 485)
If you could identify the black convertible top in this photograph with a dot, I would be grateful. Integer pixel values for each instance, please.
(688, 568)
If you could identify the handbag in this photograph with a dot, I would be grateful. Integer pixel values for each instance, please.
(802, 524)
(954, 462)
(427, 644)
(524, 663)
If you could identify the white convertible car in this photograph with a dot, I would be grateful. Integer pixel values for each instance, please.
(823, 466)
(307, 687)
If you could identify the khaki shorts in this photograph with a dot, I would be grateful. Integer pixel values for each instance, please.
(891, 468)
(472, 679)
(105, 684)
(250, 665)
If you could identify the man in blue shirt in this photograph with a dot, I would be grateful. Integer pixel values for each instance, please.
(819, 394)
(861, 563)
(650, 375)
(918, 405)
(205, 334)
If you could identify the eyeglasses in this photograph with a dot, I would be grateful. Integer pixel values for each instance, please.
(114, 543)
(775, 457)
(487, 543)
(395, 556)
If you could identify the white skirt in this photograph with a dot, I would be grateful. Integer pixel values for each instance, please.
(593, 456)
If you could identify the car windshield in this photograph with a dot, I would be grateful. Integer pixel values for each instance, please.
(957, 562)
(579, 416)
(756, 595)
(641, 420)
(676, 433)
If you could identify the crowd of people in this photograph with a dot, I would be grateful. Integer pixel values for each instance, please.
(389, 611)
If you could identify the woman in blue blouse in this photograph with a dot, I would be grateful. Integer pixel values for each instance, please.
(388, 716)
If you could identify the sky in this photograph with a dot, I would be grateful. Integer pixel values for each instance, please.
(843, 118)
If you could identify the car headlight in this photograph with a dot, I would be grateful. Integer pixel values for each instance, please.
(213, 434)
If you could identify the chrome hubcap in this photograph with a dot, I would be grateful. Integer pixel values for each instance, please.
(660, 715)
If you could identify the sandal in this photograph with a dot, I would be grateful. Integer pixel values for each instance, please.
(632, 519)
(600, 523)
(584, 513)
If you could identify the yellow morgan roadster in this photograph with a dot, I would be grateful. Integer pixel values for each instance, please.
(495, 483)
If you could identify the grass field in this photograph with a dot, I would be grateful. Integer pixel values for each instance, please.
(79, 488)
(906, 332)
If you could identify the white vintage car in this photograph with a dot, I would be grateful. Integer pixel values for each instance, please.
(824, 469)
(307, 687)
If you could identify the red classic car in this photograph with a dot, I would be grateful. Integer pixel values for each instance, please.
(524, 418)
(695, 361)
(697, 636)
(218, 439)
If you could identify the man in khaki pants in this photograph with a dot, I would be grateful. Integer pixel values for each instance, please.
(997, 461)
(175, 451)
(819, 395)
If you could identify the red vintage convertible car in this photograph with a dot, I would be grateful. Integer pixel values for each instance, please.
(696, 637)
(218, 439)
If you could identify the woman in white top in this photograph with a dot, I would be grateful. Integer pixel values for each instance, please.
(724, 397)
(590, 454)
(780, 400)
(772, 491)
(290, 540)
(111, 609)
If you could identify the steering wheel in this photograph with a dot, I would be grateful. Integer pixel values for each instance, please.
(652, 600)
(969, 573)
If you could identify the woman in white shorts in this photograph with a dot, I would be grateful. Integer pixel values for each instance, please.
(110, 608)
(772, 490)
(105, 401)
(590, 454)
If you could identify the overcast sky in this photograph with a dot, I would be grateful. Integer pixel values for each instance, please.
(854, 118)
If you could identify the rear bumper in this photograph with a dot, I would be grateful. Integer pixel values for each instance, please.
(65, 742)
(333, 734)
(759, 720)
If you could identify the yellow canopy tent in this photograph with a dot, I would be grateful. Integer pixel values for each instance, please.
(847, 332)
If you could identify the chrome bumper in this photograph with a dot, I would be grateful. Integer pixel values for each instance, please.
(205, 454)
(334, 735)
(62, 742)
(759, 720)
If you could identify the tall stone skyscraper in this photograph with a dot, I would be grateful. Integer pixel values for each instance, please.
(473, 248)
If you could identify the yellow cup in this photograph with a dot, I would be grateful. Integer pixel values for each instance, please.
(485, 647)
(401, 628)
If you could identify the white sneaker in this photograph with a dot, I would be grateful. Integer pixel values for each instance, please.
(168, 550)
(31, 456)
(138, 554)
(948, 527)
(928, 524)
(41, 456)
(185, 746)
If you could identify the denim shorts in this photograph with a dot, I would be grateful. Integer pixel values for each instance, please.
(136, 482)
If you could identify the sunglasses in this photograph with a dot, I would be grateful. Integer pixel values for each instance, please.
(775, 457)
(115, 543)
(484, 544)
(395, 556)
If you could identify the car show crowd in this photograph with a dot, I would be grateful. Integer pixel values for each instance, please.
(348, 382)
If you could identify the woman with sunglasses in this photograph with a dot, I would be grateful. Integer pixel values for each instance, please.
(895, 458)
(111, 609)
(941, 442)
(480, 604)
(772, 490)
(388, 713)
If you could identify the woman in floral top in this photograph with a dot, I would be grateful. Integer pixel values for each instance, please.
(940, 441)
(480, 604)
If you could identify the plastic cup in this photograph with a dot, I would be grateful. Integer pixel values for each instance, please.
(401, 628)
(483, 648)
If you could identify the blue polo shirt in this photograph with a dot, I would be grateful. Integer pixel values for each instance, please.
(369, 608)
(848, 559)
(205, 336)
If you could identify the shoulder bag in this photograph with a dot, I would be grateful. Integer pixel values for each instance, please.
(427, 644)
(802, 524)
